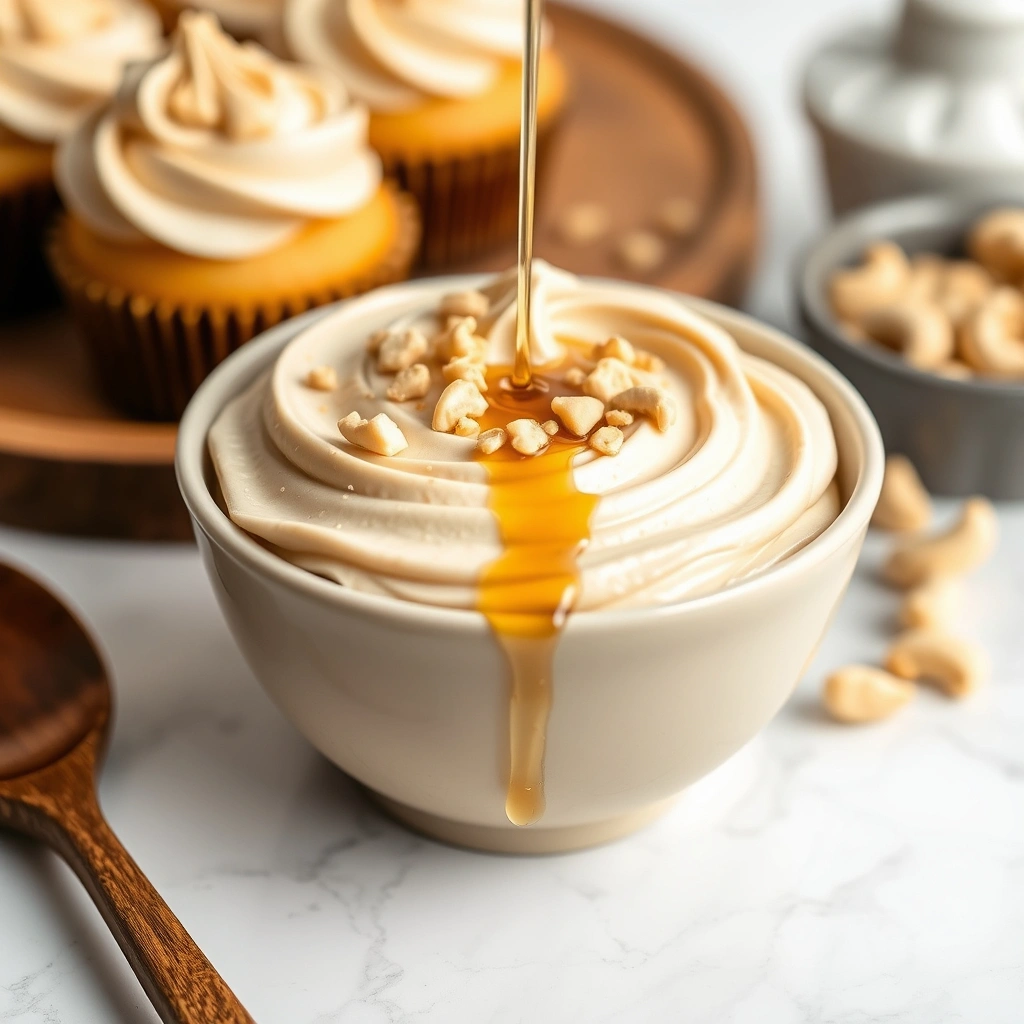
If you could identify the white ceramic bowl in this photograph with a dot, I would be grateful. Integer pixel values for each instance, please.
(412, 701)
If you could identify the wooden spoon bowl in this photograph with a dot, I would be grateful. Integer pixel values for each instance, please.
(55, 704)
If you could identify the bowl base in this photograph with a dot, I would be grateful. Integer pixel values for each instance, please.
(496, 839)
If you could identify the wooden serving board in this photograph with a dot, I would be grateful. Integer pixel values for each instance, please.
(643, 126)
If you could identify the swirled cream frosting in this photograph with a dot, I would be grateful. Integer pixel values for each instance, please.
(218, 150)
(393, 54)
(59, 59)
(740, 476)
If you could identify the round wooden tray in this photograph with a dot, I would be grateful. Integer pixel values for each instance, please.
(644, 126)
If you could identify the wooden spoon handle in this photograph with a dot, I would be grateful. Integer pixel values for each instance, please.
(180, 981)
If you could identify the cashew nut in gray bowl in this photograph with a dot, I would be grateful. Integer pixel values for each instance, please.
(965, 434)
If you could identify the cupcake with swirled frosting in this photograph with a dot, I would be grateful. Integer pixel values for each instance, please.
(221, 191)
(442, 81)
(59, 59)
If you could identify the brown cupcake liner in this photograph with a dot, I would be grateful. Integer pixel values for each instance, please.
(150, 356)
(469, 203)
(25, 281)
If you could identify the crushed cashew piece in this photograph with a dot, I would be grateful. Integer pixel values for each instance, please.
(381, 435)
(550, 427)
(618, 418)
(460, 399)
(528, 436)
(861, 693)
(491, 440)
(322, 378)
(584, 222)
(641, 251)
(458, 339)
(609, 378)
(401, 349)
(648, 362)
(467, 427)
(616, 348)
(579, 413)
(466, 368)
(647, 401)
(467, 303)
(575, 376)
(606, 440)
(412, 382)
(374, 342)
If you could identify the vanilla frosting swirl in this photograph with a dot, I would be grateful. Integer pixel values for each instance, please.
(59, 59)
(742, 479)
(393, 54)
(218, 150)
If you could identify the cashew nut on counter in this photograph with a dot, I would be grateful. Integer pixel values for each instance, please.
(904, 504)
(933, 604)
(959, 550)
(879, 281)
(953, 665)
(861, 693)
(920, 331)
(991, 339)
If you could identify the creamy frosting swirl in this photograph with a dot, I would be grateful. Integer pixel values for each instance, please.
(59, 59)
(743, 478)
(393, 54)
(218, 150)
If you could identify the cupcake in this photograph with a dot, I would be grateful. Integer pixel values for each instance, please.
(59, 59)
(220, 192)
(244, 19)
(442, 82)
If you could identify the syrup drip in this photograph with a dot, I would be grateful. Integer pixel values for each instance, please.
(527, 593)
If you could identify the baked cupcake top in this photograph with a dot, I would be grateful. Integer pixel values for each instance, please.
(394, 55)
(59, 59)
(218, 150)
(382, 450)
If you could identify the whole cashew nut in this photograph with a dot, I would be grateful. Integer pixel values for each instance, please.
(964, 286)
(904, 504)
(997, 243)
(860, 693)
(932, 605)
(962, 548)
(920, 331)
(879, 281)
(991, 339)
(955, 666)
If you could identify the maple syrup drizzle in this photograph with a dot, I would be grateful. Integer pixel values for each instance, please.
(528, 591)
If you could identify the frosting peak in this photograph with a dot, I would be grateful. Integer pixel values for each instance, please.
(218, 150)
(240, 90)
(60, 59)
(393, 54)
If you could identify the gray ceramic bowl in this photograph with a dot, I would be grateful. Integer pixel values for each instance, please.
(965, 437)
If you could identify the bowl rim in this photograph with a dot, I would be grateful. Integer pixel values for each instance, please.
(852, 232)
(242, 366)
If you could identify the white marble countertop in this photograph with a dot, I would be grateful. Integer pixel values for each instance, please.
(825, 875)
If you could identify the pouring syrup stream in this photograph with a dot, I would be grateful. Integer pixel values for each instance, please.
(522, 374)
(543, 520)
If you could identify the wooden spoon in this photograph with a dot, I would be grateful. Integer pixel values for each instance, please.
(55, 703)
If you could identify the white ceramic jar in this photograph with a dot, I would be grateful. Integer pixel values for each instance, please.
(937, 104)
